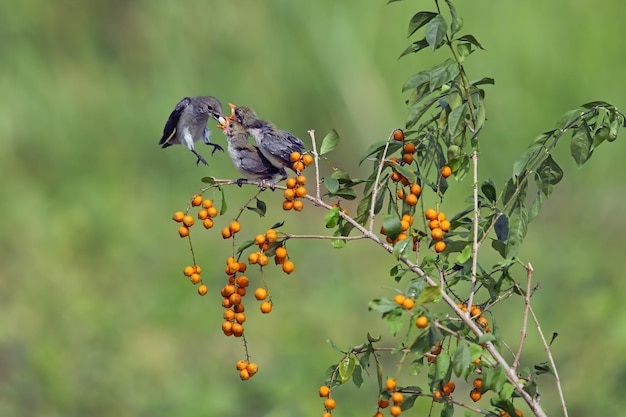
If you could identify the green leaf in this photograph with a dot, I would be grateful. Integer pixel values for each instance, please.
(429, 294)
(415, 47)
(442, 74)
(456, 120)
(476, 351)
(486, 337)
(347, 193)
(406, 172)
(488, 187)
(471, 39)
(357, 376)
(346, 367)
(402, 248)
(338, 243)
(550, 174)
(416, 366)
(208, 180)
(394, 321)
(392, 226)
(416, 80)
(224, 205)
(330, 142)
(581, 145)
(464, 255)
(461, 359)
(419, 20)
(260, 209)
(518, 225)
(507, 391)
(521, 165)
(332, 184)
(435, 32)
(334, 346)
(448, 410)
(245, 245)
(332, 217)
(455, 26)
(483, 81)
(441, 366)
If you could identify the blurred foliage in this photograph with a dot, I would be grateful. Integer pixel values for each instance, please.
(94, 317)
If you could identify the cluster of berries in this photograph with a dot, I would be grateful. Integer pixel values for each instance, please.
(206, 214)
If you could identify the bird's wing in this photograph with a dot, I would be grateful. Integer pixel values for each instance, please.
(281, 143)
(172, 121)
(254, 162)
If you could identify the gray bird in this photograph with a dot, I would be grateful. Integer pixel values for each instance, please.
(188, 124)
(246, 157)
(275, 144)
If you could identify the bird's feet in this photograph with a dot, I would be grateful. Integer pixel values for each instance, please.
(240, 181)
(216, 147)
(200, 158)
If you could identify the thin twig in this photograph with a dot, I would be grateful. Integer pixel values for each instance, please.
(316, 158)
(292, 236)
(523, 331)
(475, 243)
(375, 190)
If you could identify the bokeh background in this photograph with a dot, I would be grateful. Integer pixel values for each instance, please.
(96, 318)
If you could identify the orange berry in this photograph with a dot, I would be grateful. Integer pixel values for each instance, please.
(266, 307)
(327, 414)
(244, 375)
(229, 315)
(294, 157)
(382, 403)
(207, 223)
(287, 205)
(436, 233)
(183, 231)
(252, 368)
(330, 404)
(445, 225)
(399, 299)
(478, 383)
(407, 158)
(288, 267)
(281, 252)
(195, 279)
(409, 147)
(390, 384)
(404, 225)
(234, 227)
(307, 159)
(253, 258)
(395, 176)
(477, 361)
(178, 216)
(243, 281)
(411, 199)
(440, 246)
(397, 397)
(298, 205)
(241, 364)
(259, 239)
(402, 236)
(260, 293)
(446, 171)
(482, 322)
(433, 224)
(227, 327)
(240, 318)
(298, 166)
(378, 414)
(395, 410)
(436, 349)
(212, 212)
(239, 308)
(278, 260)
(441, 216)
(398, 135)
(300, 192)
(301, 180)
(324, 391)
(475, 395)
(237, 329)
(226, 303)
(234, 298)
(448, 388)
(188, 221)
(408, 304)
(291, 183)
(437, 396)
(271, 235)
(430, 214)
(242, 266)
(416, 189)
(189, 270)
(263, 260)
(241, 291)
(202, 289)
(404, 181)
(407, 218)
(475, 311)
(519, 412)
(421, 322)
(289, 194)
(207, 203)
(196, 200)
(197, 269)
(226, 233)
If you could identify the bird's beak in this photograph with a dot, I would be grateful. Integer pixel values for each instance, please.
(222, 121)
(223, 125)
(232, 109)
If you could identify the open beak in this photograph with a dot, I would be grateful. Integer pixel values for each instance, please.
(223, 125)
(232, 110)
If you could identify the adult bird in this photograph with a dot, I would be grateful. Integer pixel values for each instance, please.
(188, 124)
(246, 157)
(275, 144)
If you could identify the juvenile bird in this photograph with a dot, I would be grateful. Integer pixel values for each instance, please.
(275, 144)
(188, 124)
(246, 157)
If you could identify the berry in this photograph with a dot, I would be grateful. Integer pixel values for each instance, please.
(390, 384)
(288, 267)
(260, 293)
(440, 246)
(183, 231)
(202, 289)
(475, 395)
(478, 383)
(291, 183)
(398, 135)
(397, 397)
(395, 410)
(226, 233)
(324, 391)
(234, 227)
(294, 157)
(196, 200)
(436, 233)
(399, 299)
(207, 204)
(266, 307)
(446, 171)
(330, 404)
(307, 159)
(207, 223)
(421, 322)
(189, 270)
(430, 214)
(178, 216)
(409, 147)
(411, 199)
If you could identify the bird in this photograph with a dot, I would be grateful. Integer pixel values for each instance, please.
(188, 124)
(246, 157)
(275, 144)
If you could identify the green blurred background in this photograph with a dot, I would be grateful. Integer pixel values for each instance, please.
(95, 315)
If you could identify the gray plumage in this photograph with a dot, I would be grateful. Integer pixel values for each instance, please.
(187, 124)
(246, 157)
(275, 144)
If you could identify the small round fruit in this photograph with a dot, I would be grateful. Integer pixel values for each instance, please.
(291, 183)
(298, 205)
(395, 410)
(253, 258)
(398, 135)
(289, 194)
(298, 166)
(436, 233)
(421, 322)
(446, 171)
(382, 403)
(300, 191)
(202, 289)
(263, 260)
(212, 212)
(178, 216)
(252, 368)
(207, 223)
(288, 267)
(478, 383)
(408, 304)
(445, 225)
(475, 395)
(437, 396)
(307, 159)
(440, 246)
(183, 231)
(330, 404)
(196, 200)
(188, 221)
(234, 227)
(260, 293)
(287, 205)
(409, 147)
(271, 235)
(411, 199)
(266, 307)
(226, 233)
(324, 391)
(407, 158)
(244, 375)
(189, 270)
(416, 189)
(482, 322)
(397, 397)
(207, 204)
(241, 364)
(407, 218)
(430, 214)
(281, 252)
(391, 384)
(399, 299)
(294, 157)
(195, 278)
(301, 180)
(229, 315)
